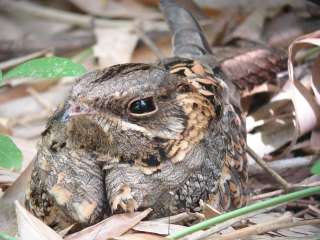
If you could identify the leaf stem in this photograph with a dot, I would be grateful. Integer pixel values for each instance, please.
(251, 208)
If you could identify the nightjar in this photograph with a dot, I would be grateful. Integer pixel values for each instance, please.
(133, 136)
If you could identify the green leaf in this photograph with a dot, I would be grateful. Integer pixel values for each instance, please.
(316, 168)
(4, 236)
(1, 78)
(10, 155)
(48, 67)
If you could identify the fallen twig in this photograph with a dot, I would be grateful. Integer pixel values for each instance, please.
(44, 103)
(16, 61)
(272, 225)
(283, 164)
(58, 15)
(268, 169)
(179, 218)
(281, 191)
(276, 224)
(227, 224)
(148, 42)
(71, 18)
(314, 209)
(245, 210)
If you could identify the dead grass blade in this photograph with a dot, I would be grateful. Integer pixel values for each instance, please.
(111, 227)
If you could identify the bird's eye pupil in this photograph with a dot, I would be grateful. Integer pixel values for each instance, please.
(141, 106)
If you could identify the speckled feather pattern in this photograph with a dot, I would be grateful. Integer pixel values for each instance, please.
(95, 163)
(98, 157)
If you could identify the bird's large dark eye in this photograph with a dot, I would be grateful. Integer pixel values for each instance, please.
(142, 106)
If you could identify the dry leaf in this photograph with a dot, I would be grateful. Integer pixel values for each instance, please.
(254, 66)
(114, 46)
(208, 211)
(113, 226)
(157, 227)
(306, 103)
(8, 223)
(263, 88)
(139, 236)
(251, 28)
(31, 228)
(117, 9)
(283, 29)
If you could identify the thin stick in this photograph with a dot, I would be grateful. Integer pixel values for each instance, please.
(16, 61)
(266, 195)
(148, 42)
(273, 225)
(314, 209)
(251, 208)
(229, 223)
(58, 15)
(269, 170)
(178, 218)
(44, 103)
(281, 191)
(283, 164)
(70, 18)
(256, 229)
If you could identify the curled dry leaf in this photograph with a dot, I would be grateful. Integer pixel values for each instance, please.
(111, 227)
(306, 102)
(251, 28)
(31, 228)
(255, 66)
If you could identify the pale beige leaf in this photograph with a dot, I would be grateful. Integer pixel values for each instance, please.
(315, 84)
(139, 236)
(208, 211)
(31, 228)
(251, 28)
(114, 46)
(157, 227)
(271, 136)
(113, 226)
(8, 221)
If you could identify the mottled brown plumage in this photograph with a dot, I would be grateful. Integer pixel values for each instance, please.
(134, 136)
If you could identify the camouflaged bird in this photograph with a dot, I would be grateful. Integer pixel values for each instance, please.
(134, 136)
